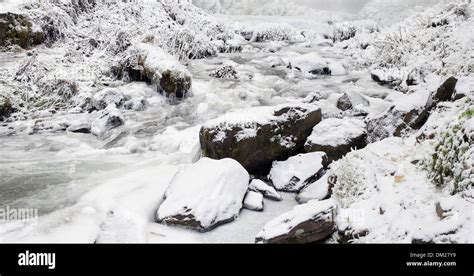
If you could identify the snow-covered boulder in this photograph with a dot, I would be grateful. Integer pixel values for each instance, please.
(253, 201)
(298, 171)
(266, 190)
(106, 97)
(337, 69)
(145, 62)
(136, 104)
(446, 91)
(311, 63)
(256, 137)
(5, 107)
(318, 190)
(107, 120)
(337, 137)
(408, 112)
(352, 100)
(80, 123)
(205, 195)
(307, 223)
(19, 30)
(464, 88)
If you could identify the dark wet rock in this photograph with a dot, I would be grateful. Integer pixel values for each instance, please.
(5, 107)
(17, 29)
(258, 136)
(446, 91)
(352, 100)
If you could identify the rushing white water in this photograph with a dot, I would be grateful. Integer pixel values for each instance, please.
(90, 190)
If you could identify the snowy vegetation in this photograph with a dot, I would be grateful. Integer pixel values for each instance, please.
(452, 161)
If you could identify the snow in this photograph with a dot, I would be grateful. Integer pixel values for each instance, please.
(382, 198)
(337, 69)
(334, 132)
(253, 201)
(308, 62)
(465, 86)
(209, 191)
(286, 222)
(265, 189)
(251, 118)
(296, 172)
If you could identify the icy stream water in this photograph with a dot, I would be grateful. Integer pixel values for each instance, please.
(84, 187)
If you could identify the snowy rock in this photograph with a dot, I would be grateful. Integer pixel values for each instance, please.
(225, 72)
(266, 190)
(352, 100)
(5, 107)
(256, 137)
(337, 137)
(394, 77)
(152, 64)
(446, 91)
(253, 201)
(107, 120)
(464, 88)
(298, 171)
(205, 195)
(310, 63)
(307, 223)
(106, 97)
(80, 125)
(18, 29)
(337, 69)
(318, 190)
(408, 112)
(136, 104)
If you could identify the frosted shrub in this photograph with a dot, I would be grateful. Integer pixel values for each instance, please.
(452, 163)
(350, 179)
(431, 42)
(185, 44)
(270, 32)
(346, 30)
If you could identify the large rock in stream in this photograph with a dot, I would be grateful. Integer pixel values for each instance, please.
(205, 195)
(145, 62)
(337, 137)
(258, 136)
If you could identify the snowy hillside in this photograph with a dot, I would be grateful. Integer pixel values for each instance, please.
(212, 121)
